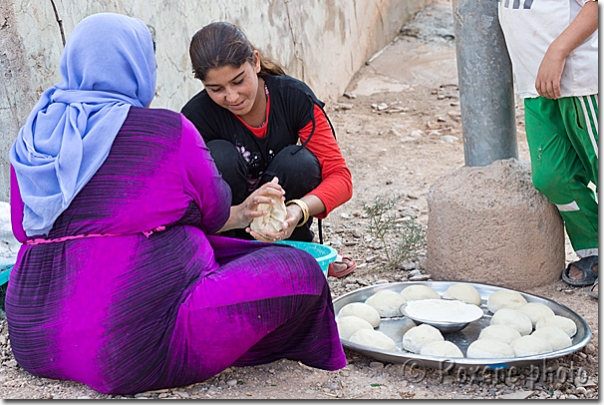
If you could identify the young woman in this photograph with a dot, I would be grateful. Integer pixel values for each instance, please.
(264, 127)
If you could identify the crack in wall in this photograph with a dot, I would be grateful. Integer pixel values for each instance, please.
(291, 30)
(59, 21)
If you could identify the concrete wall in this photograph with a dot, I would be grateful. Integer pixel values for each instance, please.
(323, 42)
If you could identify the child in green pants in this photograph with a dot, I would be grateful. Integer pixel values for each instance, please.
(553, 46)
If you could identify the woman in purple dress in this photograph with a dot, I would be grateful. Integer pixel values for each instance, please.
(120, 283)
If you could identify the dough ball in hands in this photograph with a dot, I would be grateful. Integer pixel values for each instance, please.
(489, 349)
(419, 336)
(362, 310)
(441, 348)
(463, 292)
(273, 220)
(558, 321)
(419, 292)
(530, 345)
(373, 338)
(536, 311)
(505, 299)
(514, 319)
(348, 325)
(555, 336)
(387, 303)
(502, 333)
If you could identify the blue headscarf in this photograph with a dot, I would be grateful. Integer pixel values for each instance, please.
(108, 65)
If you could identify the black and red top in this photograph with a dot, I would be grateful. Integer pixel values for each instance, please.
(294, 115)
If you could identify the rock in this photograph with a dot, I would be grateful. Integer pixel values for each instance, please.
(449, 139)
(420, 277)
(351, 96)
(517, 395)
(231, 382)
(382, 106)
(581, 390)
(376, 364)
(589, 348)
(409, 266)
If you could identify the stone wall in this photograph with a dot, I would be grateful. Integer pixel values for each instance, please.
(323, 42)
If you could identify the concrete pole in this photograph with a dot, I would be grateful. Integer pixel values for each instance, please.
(485, 83)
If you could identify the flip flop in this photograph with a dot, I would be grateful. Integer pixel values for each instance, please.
(331, 269)
(585, 265)
(592, 293)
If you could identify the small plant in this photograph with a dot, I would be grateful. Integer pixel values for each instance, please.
(402, 240)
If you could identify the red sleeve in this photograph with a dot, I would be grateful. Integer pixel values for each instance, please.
(336, 184)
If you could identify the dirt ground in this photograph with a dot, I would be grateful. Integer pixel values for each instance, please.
(398, 125)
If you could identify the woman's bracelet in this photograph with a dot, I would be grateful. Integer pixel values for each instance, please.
(304, 208)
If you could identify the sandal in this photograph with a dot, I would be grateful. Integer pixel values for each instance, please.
(586, 265)
(350, 266)
(592, 293)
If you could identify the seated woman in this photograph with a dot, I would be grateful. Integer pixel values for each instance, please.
(261, 124)
(119, 283)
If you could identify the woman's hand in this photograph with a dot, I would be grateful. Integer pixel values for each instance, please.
(243, 214)
(293, 216)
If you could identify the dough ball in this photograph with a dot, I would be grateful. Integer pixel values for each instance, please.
(441, 348)
(362, 310)
(502, 333)
(513, 318)
(558, 321)
(419, 292)
(419, 336)
(489, 349)
(348, 325)
(505, 299)
(536, 311)
(463, 292)
(555, 336)
(387, 303)
(273, 220)
(373, 338)
(530, 345)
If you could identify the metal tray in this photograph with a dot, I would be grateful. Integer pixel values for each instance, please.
(397, 326)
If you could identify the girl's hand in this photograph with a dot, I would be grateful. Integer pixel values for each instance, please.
(294, 215)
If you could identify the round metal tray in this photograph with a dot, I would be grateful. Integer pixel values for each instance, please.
(397, 326)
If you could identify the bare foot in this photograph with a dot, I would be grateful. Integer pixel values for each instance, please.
(576, 274)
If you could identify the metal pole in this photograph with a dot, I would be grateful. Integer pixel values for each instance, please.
(485, 83)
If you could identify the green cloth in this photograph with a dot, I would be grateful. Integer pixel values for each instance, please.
(562, 136)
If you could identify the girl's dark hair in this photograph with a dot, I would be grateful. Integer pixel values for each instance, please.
(222, 44)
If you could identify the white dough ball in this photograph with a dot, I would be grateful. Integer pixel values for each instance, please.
(419, 336)
(441, 348)
(502, 333)
(513, 318)
(530, 345)
(387, 303)
(463, 292)
(373, 338)
(555, 336)
(362, 310)
(348, 325)
(489, 349)
(273, 220)
(419, 292)
(558, 321)
(505, 299)
(536, 311)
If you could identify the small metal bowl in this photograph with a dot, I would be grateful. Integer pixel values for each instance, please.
(443, 326)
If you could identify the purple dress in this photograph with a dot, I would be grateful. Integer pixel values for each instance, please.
(132, 312)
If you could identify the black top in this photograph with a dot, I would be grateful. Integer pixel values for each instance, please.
(291, 109)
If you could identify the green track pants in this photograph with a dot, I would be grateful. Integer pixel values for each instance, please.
(562, 137)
